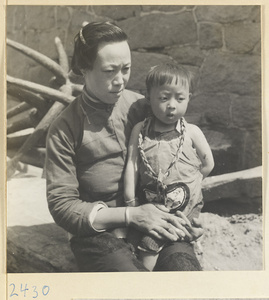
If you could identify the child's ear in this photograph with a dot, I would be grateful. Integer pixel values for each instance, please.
(190, 95)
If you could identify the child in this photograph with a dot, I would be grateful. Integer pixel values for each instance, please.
(168, 155)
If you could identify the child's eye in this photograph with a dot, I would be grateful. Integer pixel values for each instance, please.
(180, 99)
(163, 98)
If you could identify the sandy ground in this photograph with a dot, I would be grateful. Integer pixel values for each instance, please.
(233, 243)
(228, 243)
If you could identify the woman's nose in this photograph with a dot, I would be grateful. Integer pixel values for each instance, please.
(118, 79)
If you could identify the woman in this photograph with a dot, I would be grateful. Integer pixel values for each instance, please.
(86, 155)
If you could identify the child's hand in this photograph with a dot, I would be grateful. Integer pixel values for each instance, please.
(196, 229)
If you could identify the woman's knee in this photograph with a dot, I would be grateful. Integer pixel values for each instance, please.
(105, 254)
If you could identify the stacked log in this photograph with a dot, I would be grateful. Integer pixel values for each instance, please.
(39, 104)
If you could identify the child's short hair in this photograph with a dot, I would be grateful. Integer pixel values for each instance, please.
(166, 73)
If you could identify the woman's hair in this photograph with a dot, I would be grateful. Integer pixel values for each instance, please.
(87, 41)
(166, 73)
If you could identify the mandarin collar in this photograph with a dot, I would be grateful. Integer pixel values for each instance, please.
(95, 103)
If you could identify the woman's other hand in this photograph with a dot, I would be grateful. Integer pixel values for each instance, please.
(159, 223)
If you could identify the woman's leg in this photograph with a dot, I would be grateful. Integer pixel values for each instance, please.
(179, 256)
(104, 253)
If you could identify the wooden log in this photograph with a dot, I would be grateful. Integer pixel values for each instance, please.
(40, 89)
(33, 99)
(15, 142)
(76, 79)
(214, 181)
(40, 129)
(63, 58)
(28, 121)
(42, 59)
(244, 186)
(34, 157)
(15, 110)
(77, 88)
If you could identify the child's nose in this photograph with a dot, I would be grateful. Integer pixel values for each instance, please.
(172, 104)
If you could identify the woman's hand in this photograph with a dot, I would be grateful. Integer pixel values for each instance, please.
(159, 223)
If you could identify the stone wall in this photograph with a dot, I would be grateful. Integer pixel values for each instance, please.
(221, 45)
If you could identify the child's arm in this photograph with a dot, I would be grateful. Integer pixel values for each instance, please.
(131, 171)
(202, 148)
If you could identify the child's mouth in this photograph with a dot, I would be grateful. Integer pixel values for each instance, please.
(170, 116)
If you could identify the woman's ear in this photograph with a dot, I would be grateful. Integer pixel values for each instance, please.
(83, 72)
(147, 96)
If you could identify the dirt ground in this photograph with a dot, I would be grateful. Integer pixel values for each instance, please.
(231, 243)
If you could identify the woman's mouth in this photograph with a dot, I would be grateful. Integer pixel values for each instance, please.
(117, 93)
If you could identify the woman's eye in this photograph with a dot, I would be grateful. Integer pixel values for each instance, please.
(126, 70)
(109, 71)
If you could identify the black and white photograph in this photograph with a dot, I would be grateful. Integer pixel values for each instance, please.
(91, 92)
(79, 79)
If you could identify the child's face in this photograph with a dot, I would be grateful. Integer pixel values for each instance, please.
(169, 102)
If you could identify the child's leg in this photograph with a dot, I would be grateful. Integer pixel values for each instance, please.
(148, 259)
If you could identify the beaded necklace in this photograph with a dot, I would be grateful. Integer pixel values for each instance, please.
(160, 177)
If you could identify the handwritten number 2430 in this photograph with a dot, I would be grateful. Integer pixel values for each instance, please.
(25, 291)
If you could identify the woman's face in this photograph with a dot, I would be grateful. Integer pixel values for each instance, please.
(110, 73)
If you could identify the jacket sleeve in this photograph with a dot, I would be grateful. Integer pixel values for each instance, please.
(65, 205)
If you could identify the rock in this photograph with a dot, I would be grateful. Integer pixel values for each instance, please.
(39, 249)
(242, 37)
(186, 55)
(39, 17)
(212, 108)
(226, 13)
(236, 74)
(160, 30)
(141, 64)
(210, 36)
(252, 152)
(164, 8)
(246, 112)
(117, 12)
